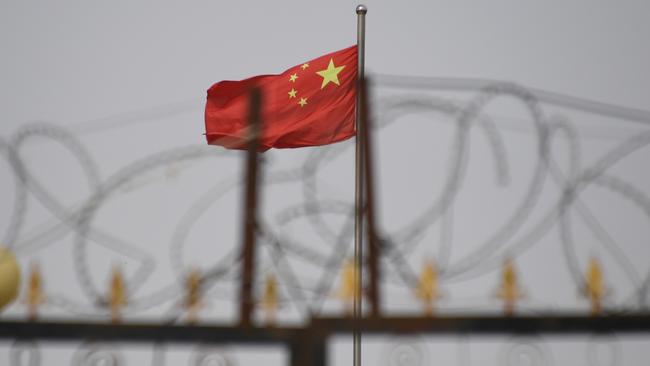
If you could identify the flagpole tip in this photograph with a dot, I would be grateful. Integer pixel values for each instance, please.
(362, 9)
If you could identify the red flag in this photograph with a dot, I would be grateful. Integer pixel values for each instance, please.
(308, 105)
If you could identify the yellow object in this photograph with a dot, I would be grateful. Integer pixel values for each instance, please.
(349, 286)
(509, 290)
(34, 296)
(271, 298)
(428, 289)
(117, 297)
(9, 277)
(193, 295)
(331, 74)
(595, 286)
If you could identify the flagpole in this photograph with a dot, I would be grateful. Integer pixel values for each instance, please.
(358, 185)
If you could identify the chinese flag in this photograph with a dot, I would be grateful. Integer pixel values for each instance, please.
(310, 104)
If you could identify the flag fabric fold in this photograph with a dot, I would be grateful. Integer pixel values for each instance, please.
(310, 104)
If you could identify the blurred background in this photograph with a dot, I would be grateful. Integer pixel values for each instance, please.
(502, 130)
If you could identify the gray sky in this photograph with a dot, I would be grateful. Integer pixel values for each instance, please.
(129, 79)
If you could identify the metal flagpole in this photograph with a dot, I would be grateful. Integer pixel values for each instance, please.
(358, 186)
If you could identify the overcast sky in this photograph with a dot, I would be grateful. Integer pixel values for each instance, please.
(129, 79)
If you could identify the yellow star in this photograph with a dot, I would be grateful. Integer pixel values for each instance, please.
(305, 65)
(330, 74)
(302, 102)
(292, 93)
(293, 77)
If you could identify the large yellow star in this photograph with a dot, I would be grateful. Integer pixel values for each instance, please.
(330, 74)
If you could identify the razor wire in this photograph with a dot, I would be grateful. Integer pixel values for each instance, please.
(518, 233)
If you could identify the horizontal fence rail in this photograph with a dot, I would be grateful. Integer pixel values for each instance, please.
(323, 328)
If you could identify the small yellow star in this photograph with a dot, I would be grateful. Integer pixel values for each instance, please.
(292, 93)
(302, 102)
(293, 77)
(305, 65)
(330, 74)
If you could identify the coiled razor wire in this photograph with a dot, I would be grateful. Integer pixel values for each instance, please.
(518, 233)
